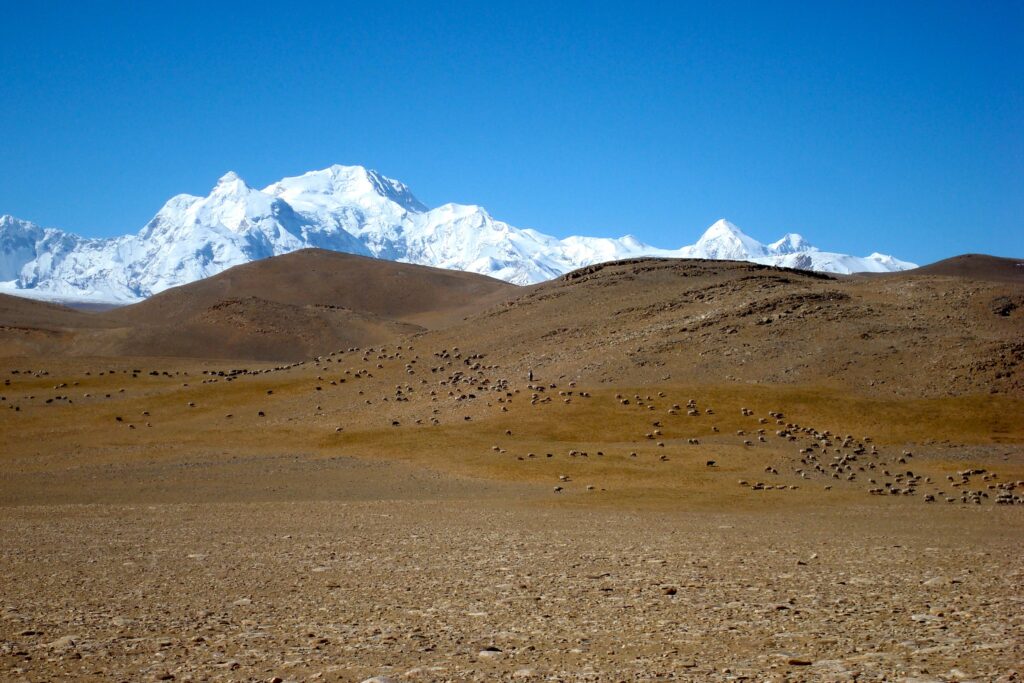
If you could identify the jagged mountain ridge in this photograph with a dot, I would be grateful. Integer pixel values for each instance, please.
(348, 209)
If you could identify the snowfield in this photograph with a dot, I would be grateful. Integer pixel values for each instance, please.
(349, 209)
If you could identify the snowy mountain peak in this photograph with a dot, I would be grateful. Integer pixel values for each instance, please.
(385, 187)
(339, 185)
(18, 240)
(791, 243)
(349, 209)
(722, 227)
(231, 184)
(724, 240)
(12, 228)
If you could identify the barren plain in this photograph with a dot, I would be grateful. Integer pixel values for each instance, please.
(651, 470)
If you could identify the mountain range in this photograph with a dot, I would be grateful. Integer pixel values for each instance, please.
(347, 209)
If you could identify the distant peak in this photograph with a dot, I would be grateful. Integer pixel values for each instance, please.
(725, 240)
(346, 183)
(7, 220)
(341, 172)
(722, 227)
(791, 243)
(342, 169)
(231, 178)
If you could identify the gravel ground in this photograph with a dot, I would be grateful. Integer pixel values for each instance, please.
(501, 589)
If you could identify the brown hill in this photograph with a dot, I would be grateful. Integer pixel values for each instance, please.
(248, 328)
(976, 267)
(951, 328)
(420, 295)
(27, 325)
(19, 311)
(655, 320)
(284, 308)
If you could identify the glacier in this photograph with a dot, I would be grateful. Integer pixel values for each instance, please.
(350, 209)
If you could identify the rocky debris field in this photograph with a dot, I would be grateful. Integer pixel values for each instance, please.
(422, 512)
(485, 590)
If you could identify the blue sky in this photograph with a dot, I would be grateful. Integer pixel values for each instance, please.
(896, 127)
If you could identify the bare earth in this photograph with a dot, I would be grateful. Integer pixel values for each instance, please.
(748, 505)
(428, 590)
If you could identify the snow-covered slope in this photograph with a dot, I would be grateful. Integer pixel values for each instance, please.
(723, 240)
(349, 209)
(18, 240)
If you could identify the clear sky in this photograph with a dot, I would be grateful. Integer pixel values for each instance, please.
(896, 127)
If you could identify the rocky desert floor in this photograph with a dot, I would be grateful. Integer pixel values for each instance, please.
(500, 588)
(420, 515)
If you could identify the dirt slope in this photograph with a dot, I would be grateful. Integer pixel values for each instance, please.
(657, 320)
(26, 325)
(16, 310)
(315, 277)
(955, 327)
(284, 308)
(976, 267)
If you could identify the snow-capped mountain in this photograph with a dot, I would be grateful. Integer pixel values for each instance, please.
(349, 209)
